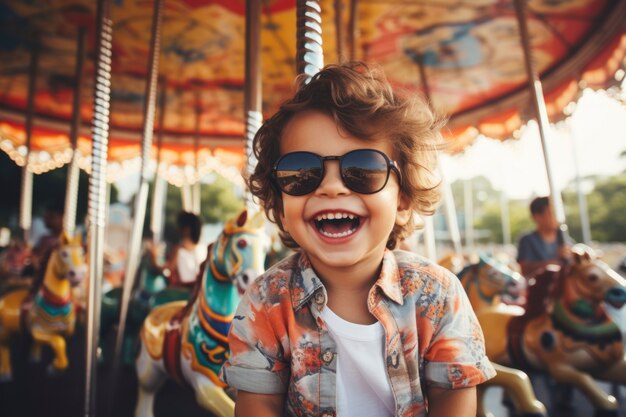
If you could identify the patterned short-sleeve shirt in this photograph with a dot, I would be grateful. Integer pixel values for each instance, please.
(280, 344)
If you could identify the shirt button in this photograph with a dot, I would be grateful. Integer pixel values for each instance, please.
(327, 357)
(320, 298)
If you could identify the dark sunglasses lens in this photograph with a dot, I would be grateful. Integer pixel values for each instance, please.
(364, 171)
(299, 173)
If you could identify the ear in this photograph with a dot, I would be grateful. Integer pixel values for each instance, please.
(64, 240)
(258, 220)
(78, 239)
(404, 212)
(581, 254)
(241, 220)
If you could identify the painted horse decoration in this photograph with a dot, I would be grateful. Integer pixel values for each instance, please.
(486, 284)
(489, 282)
(46, 311)
(565, 329)
(188, 341)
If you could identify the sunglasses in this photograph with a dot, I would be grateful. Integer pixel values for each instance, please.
(364, 171)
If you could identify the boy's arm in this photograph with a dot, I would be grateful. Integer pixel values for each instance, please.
(249, 404)
(451, 402)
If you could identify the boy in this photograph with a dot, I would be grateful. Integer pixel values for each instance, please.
(542, 246)
(346, 327)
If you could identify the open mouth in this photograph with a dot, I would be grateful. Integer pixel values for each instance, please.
(337, 225)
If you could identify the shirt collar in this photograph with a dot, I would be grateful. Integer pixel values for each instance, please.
(305, 282)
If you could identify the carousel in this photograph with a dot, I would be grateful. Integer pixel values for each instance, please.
(166, 93)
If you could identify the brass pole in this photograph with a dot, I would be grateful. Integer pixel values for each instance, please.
(541, 114)
(71, 189)
(309, 51)
(97, 196)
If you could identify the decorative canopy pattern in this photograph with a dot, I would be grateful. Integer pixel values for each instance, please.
(466, 56)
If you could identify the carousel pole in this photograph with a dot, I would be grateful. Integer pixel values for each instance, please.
(541, 114)
(468, 204)
(582, 200)
(71, 188)
(339, 28)
(430, 248)
(448, 197)
(506, 222)
(195, 186)
(142, 195)
(353, 28)
(26, 193)
(309, 52)
(160, 185)
(253, 91)
(97, 196)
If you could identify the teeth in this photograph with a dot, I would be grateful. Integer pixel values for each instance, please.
(333, 216)
(336, 235)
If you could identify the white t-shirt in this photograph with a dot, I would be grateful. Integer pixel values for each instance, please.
(188, 263)
(363, 388)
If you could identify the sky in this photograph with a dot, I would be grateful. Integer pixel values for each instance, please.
(596, 131)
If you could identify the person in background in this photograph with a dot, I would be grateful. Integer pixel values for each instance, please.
(347, 326)
(545, 245)
(183, 263)
(53, 220)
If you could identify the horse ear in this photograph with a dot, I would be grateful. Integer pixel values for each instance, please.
(64, 239)
(258, 220)
(241, 220)
(581, 254)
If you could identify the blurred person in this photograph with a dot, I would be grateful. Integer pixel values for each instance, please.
(183, 263)
(545, 245)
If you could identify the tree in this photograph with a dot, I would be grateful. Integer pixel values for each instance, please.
(218, 203)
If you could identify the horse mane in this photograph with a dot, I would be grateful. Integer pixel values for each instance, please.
(545, 285)
(40, 273)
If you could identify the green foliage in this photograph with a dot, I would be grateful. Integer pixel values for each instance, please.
(606, 208)
(218, 203)
(606, 205)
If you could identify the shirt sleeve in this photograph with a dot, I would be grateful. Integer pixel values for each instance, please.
(523, 249)
(256, 363)
(456, 356)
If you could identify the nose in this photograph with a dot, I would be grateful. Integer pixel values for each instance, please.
(332, 184)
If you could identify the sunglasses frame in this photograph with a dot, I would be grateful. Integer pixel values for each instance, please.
(391, 166)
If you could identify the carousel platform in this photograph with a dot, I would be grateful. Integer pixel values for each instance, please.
(34, 393)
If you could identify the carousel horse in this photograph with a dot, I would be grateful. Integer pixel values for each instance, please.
(46, 313)
(453, 262)
(486, 283)
(188, 341)
(565, 329)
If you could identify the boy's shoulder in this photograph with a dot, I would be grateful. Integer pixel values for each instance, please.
(284, 280)
(413, 267)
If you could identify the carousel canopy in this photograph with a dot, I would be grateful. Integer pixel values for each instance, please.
(465, 56)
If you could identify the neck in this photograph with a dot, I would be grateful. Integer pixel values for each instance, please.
(548, 235)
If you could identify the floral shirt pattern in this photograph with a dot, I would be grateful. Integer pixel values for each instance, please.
(280, 343)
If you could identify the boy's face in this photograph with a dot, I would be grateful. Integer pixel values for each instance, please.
(545, 220)
(363, 222)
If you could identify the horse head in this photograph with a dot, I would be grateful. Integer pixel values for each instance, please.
(68, 260)
(497, 278)
(239, 251)
(587, 281)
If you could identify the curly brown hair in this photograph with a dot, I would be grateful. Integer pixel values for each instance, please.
(361, 101)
